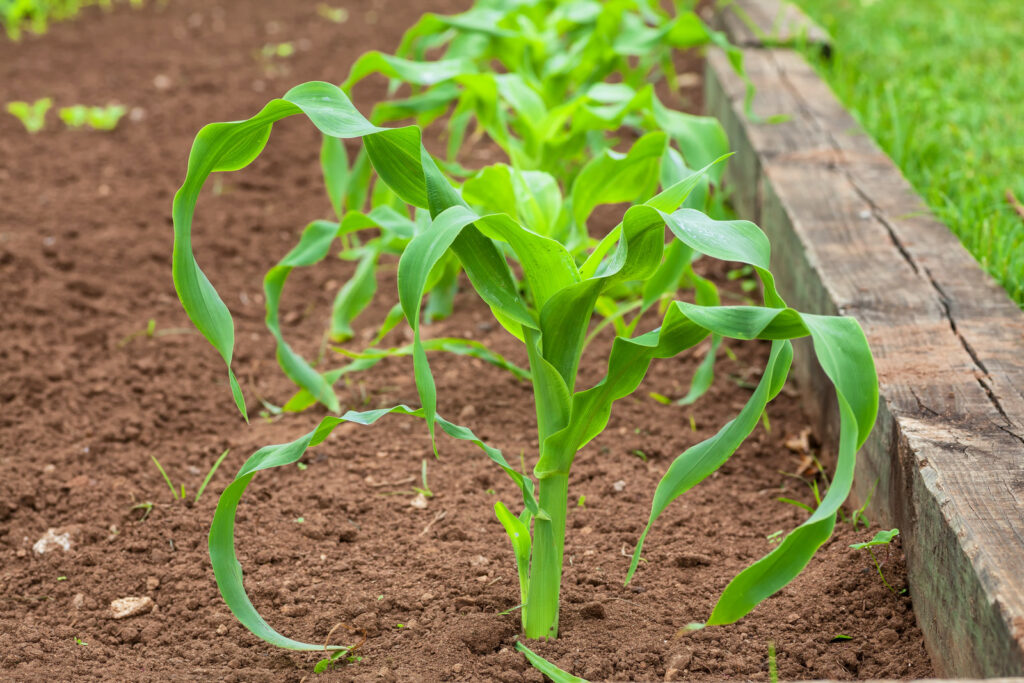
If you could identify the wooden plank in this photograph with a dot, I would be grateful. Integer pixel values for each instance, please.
(946, 461)
(760, 23)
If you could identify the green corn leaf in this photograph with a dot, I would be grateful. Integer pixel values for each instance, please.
(312, 247)
(406, 70)
(843, 353)
(547, 668)
(354, 296)
(334, 162)
(519, 534)
(226, 568)
(612, 177)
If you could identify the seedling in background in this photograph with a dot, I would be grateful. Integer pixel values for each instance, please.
(146, 507)
(79, 641)
(773, 664)
(336, 15)
(881, 538)
(277, 50)
(32, 116)
(97, 118)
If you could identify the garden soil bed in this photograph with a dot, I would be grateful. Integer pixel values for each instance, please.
(85, 243)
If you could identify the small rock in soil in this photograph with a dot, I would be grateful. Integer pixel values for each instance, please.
(122, 608)
(619, 486)
(51, 540)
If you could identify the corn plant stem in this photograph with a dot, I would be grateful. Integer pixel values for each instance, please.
(541, 610)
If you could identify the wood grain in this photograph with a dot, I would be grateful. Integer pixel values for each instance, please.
(946, 460)
(760, 23)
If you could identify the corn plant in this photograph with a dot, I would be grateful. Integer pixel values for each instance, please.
(551, 321)
(570, 76)
(556, 205)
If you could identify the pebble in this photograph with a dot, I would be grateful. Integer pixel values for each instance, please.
(122, 608)
(51, 540)
(152, 583)
(162, 82)
(420, 501)
(619, 485)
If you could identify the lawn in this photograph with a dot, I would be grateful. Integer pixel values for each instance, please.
(938, 83)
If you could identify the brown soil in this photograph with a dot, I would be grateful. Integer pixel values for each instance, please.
(85, 244)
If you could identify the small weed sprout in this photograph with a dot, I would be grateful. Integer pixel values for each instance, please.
(881, 538)
(180, 495)
(32, 116)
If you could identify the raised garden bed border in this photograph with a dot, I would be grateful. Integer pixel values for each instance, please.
(946, 461)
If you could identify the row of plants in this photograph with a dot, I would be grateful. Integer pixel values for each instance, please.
(18, 16)
(33, 115)
(560, 87)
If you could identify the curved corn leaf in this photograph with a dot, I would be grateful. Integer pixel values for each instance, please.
(843, 352)
(226, 568)
(547, 668)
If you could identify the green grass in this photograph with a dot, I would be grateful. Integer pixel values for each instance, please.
(939, 84)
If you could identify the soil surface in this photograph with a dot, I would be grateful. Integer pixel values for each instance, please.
(87, 398)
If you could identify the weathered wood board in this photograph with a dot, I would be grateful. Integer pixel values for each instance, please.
(946, 460)
(756, 23)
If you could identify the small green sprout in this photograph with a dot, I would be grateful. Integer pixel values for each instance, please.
(32, 116)
(278, 50)
(62, 578)
(881, 538)
(425, 491)
(660, 398)
(300, 520)
(79, 641)
(773, 664)
(174, 492)
(302, 466)
(146, 507)
(639, 453)
(775, 537)
(337, 15)
(97, 118)
(840, 637)
(582, 502)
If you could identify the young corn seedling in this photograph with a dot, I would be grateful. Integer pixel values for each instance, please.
(551, 321)
(32, 116)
